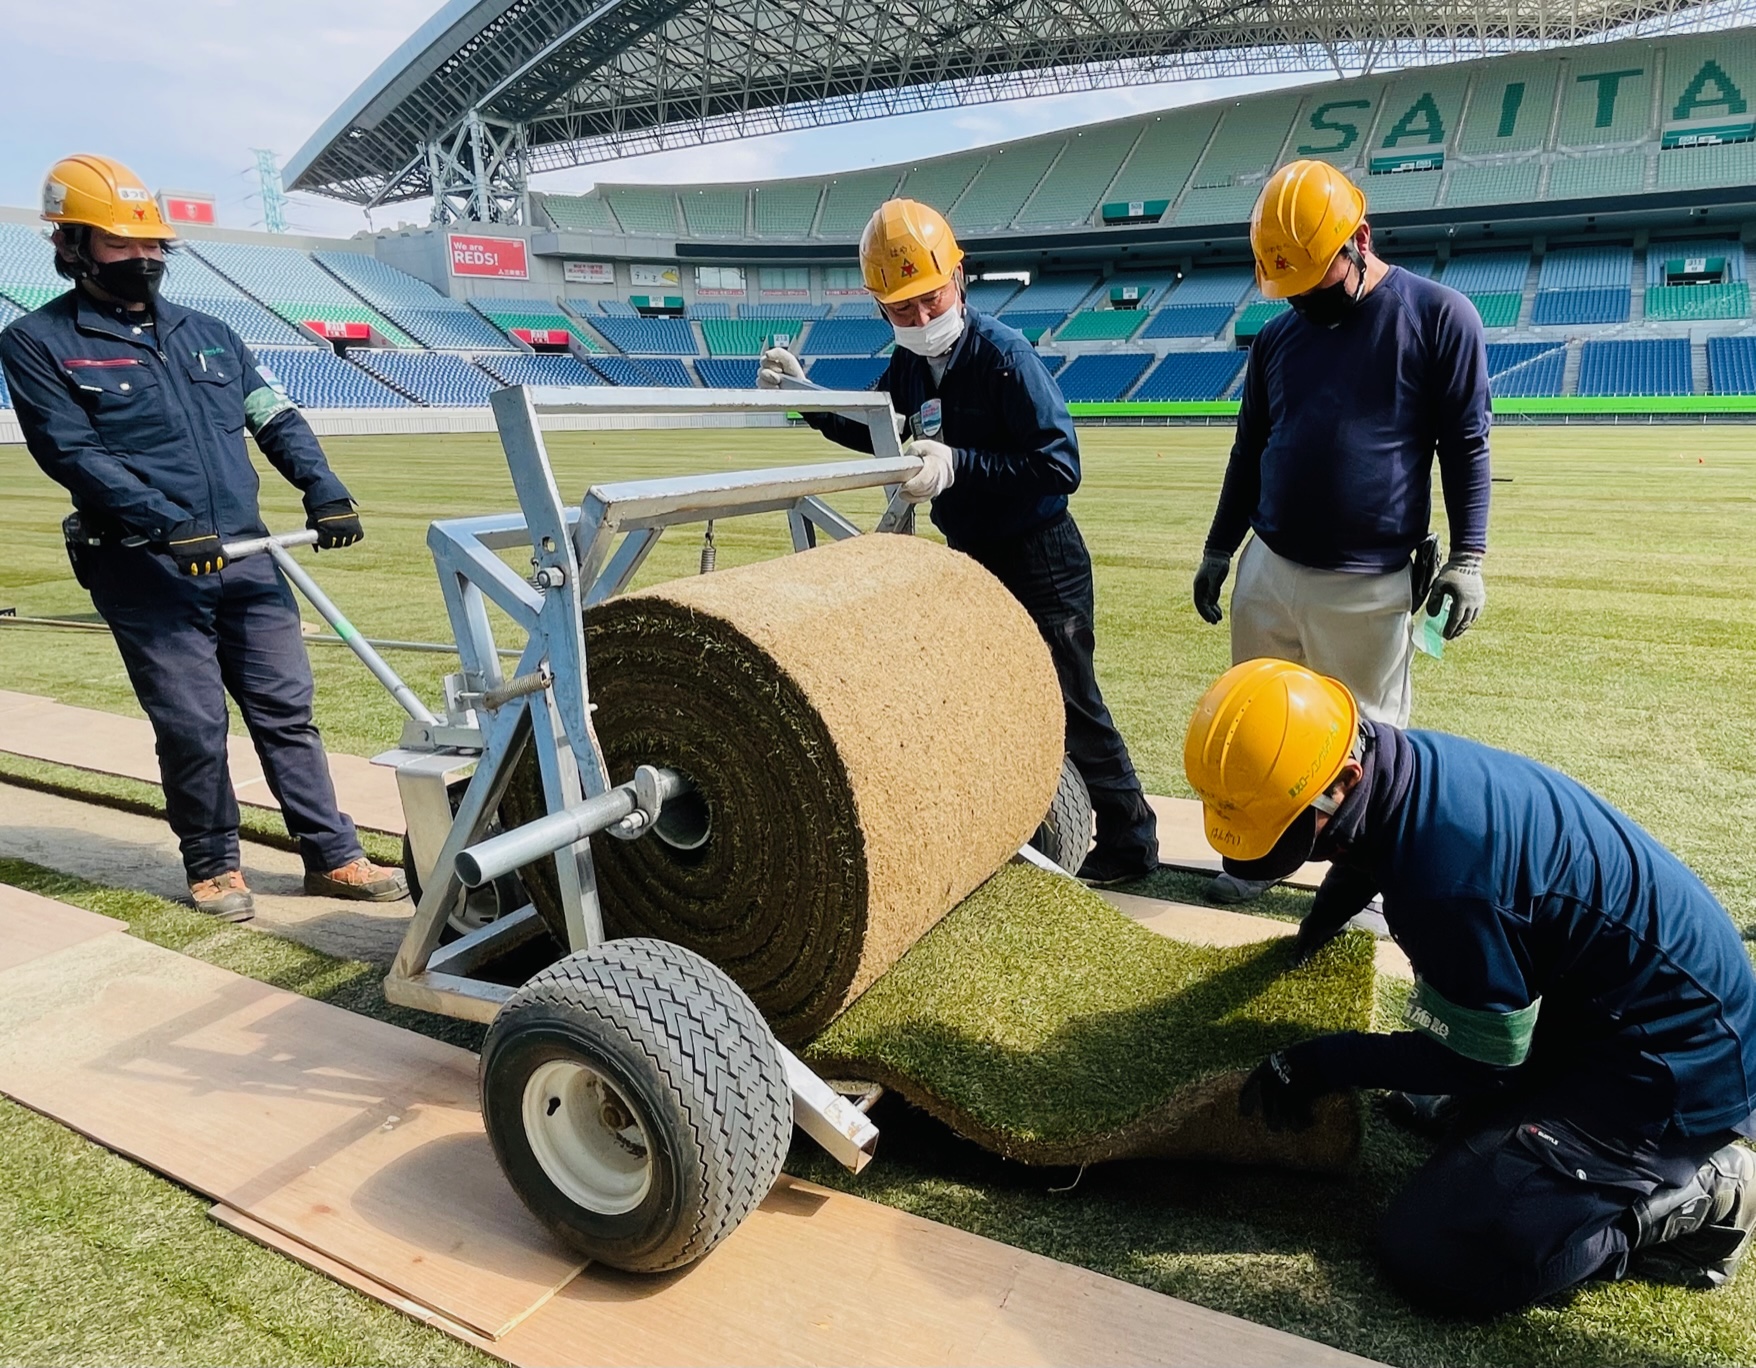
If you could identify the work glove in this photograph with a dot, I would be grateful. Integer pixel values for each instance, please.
(1208, 579)
(194, 551)
(1461, 581)
(1282, 1092)
(777, 364)
(937, 473)
(1344, 894)
(336, 524)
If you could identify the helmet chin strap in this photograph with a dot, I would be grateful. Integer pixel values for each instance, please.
(1353, 253)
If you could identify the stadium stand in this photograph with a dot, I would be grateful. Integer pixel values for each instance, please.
(1496, 182)
(580, 214)
(642, 210)
(719, 212)
(716, 308)
(1159, 166)
(747, 336)
(1255, 314)
(1101, 325)
(1188, 320)
(1050, 294)
(520, 368)
(513, 316)
(191, 282)
(794, 310)
(1201, 303)
(786, 210)
(727, 373)
(847, 337)
(985, 296)
(939, 182)
(849, 202)
(413, 305)
(1073, 186)
(848, 372)
(868, 308)
(294, 286)
(1142, 288)
(1731, 365)
(8, 312)
(27, 271)
(1526, 369)
(1696, 280)
(1578, 285)
(1644, 366)
(1000, 189)
(1608, 173)
(621, 308)
(1192, 375)
(1052, 362)
(1033, 323)
(436, 379)
(665, 372)
(648, 336)
(1494, 282)
(318, 378)
(1101, 376)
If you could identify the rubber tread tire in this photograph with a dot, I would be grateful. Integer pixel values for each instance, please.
(1065, 835)
(690, 1053)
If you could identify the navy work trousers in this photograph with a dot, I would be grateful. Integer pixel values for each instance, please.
(1048, 570)
(187, 642)
(1513, 1211)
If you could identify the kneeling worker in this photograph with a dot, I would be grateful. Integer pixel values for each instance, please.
(999, 458)
(139, 407)
(1580, 994)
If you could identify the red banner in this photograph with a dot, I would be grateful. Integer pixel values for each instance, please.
(341, 332)
(542, 337)
(188, 208)
(498, 258)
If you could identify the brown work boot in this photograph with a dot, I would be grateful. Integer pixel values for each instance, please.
(224, 896)
(360, 880)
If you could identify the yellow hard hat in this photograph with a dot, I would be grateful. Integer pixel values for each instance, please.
(1266, 739)
(1305, 214)
(102, 193)
(908, 249)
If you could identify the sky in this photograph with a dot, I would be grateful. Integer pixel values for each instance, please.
(184, 91)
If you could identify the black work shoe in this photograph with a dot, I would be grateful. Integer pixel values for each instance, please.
(358, 880)
(224, 897)
(1105, 867)
(1696, 1235)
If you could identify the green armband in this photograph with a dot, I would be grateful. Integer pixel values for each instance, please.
(266, 402)
(1498, 1038)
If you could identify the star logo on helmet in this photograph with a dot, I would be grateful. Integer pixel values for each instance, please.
(908, 269)
(140, 214)
(1282, 264)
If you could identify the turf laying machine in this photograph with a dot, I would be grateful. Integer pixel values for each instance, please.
(636, 1096)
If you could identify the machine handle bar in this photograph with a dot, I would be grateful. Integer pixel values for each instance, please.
(649, 790)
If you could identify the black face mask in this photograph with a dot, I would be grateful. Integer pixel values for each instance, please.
(134, 280)
(1328, 306)
(1290, 851)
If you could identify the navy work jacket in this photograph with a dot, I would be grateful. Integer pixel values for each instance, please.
(1000, 410)
(145, 425)
(1507, 884)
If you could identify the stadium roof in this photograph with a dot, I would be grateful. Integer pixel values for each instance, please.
(562, 83)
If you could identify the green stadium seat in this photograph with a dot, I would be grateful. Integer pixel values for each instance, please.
(1074, 187)
(746, 336)
(1218, 203)
(1255, 315)
(642, 211)
(787, 210)
(1611, 111)
(1419, 113)
(529, 314)
(1698, 168)
(1697, 303)
(1403, 190)
(579, 214)
(1102, 325)
(849, 201)
(1498, 310)
(939, 182)
(1001, 187)
(1334, 124)
(1169, 146)
(1510, 110)
(1248, 142)
(1494, 183)
(1614, 173)
(716, 213)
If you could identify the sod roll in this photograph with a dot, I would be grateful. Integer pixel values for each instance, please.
(1047, 1026)
(874, 725)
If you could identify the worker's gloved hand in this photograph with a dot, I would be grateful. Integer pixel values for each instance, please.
(937, 473)
(336, 523)
(1208, 579)
(196, 552)
(777, 364)
(1461, 581)
(1277, 1090)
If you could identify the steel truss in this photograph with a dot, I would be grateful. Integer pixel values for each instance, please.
(560, 83)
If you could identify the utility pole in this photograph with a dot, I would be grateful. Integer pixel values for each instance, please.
(274, 199)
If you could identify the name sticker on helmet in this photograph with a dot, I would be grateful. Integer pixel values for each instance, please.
(132, 192)
(54, 197)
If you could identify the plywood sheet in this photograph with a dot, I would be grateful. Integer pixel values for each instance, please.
(1182, 843)
(361, 1139)
(32, 926)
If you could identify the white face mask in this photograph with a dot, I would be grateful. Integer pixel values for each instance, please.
(936, 337)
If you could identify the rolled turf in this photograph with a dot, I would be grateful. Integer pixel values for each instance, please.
(875, 727)
(1042, 1023)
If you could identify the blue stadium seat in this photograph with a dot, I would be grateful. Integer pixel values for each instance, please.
(648, 336)
(1731, 365)
(1555, 308)
(517, 368)
(318, 378)
(1102, 376)
(717, 309)
(1584, 285)
(1644, 366)
(664, 371)
(1505, 355)
(727, 372)
(868, 308)
(1478, 273)
(849, 372)
(1198, 320)
(847, 337)
(413, 305)
(1538, 375)
(798, 310)
(617, 308)
(1052, 362)
(1034, 320)
(985, 296)
(1045, 294)
(1225, 285)
(1192, 375)
(435, 379)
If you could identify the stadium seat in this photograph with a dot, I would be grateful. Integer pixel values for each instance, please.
(438, 380)
(1225, 285)
(985, 296)
(847, 337)
(317, 378)
(1483, 273)
(1581, 285)
(1159, 166)
(580, 214)
(27, 270)
(413, 305)
(1052, 362)
(1218, 203)
(793, 310)
(868, 308)
(1526, 369)
(786, 210)
(1195, 320)
(727, 373)
(1101, 325)
(1731, 365)
(1069, 194)
(663, 371)
(294, 286)
(1255, 315)
(520, 368)
(1611, 173)
(848, 372)
(512, 316)
(1045, 294)
(1697, 303)
(716, 213)
(1099, 377)
(643, 211)
(747, 337)
(1558, 308)
(939, 182)
(1645, 366)
(999, 190)
(618, 308)
(1149, 287)
(715, 309)
(850, 200)
(1033, 323)
(1192, 375)
(1493, 183)
(648, 336)
(1701, 168)
(1498, 310)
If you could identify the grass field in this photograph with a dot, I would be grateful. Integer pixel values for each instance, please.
(1617, 644)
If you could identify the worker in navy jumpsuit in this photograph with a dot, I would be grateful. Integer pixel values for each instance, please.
(1580, 995)
(139, 409)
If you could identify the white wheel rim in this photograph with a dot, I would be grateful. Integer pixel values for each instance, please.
(573, 1120)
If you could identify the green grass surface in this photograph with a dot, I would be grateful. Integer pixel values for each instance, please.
(1617, 644)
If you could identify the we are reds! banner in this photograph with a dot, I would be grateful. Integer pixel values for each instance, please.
(500, 258)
